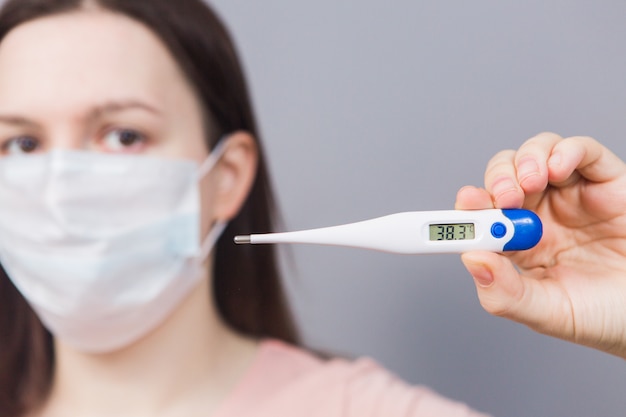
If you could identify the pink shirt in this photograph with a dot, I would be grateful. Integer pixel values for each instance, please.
(287, 381)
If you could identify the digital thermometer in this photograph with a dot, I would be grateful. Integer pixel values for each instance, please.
(423, 232)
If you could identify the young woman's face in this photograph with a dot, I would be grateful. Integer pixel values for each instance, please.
(96, 81)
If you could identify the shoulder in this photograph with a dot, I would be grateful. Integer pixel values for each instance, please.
(287, 380)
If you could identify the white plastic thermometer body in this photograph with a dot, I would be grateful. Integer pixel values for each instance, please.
(423, 232)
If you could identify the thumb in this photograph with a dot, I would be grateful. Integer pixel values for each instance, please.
(504, 292)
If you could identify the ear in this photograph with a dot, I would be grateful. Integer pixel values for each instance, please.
(234, 174)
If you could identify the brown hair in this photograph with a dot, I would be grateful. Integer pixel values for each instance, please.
(247, 285)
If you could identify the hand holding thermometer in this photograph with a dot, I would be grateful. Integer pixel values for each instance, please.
(423, 232)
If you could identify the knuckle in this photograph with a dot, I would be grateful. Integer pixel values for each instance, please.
(582, 140)
(500, 159)
(539, 143)
(497, 170)
(544, 137)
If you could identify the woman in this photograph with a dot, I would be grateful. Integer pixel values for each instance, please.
(107, 83)
(129, 144)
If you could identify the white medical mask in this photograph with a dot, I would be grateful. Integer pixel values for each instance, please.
(103, 247)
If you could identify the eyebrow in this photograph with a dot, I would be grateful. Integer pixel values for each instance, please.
(18, 121)
(120, 106)
(94, 113)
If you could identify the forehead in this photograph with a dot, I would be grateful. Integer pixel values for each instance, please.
(82, 56)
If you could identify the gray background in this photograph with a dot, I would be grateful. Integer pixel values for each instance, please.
(370, 108)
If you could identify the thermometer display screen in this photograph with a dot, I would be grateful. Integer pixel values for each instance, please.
(455, 231)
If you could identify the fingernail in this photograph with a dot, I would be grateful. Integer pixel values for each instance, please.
(482, 275)
(502, 186)
(526, 168)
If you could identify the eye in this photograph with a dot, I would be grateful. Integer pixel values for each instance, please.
(20, 145)
(123, 140)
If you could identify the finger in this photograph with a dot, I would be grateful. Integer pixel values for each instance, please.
(504, 292)
(501, 181)
(531, 162)
(473, 198)
(576, 156)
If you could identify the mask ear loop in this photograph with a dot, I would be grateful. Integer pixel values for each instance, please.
(211, 160)
(211, 239)
(218, 228)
